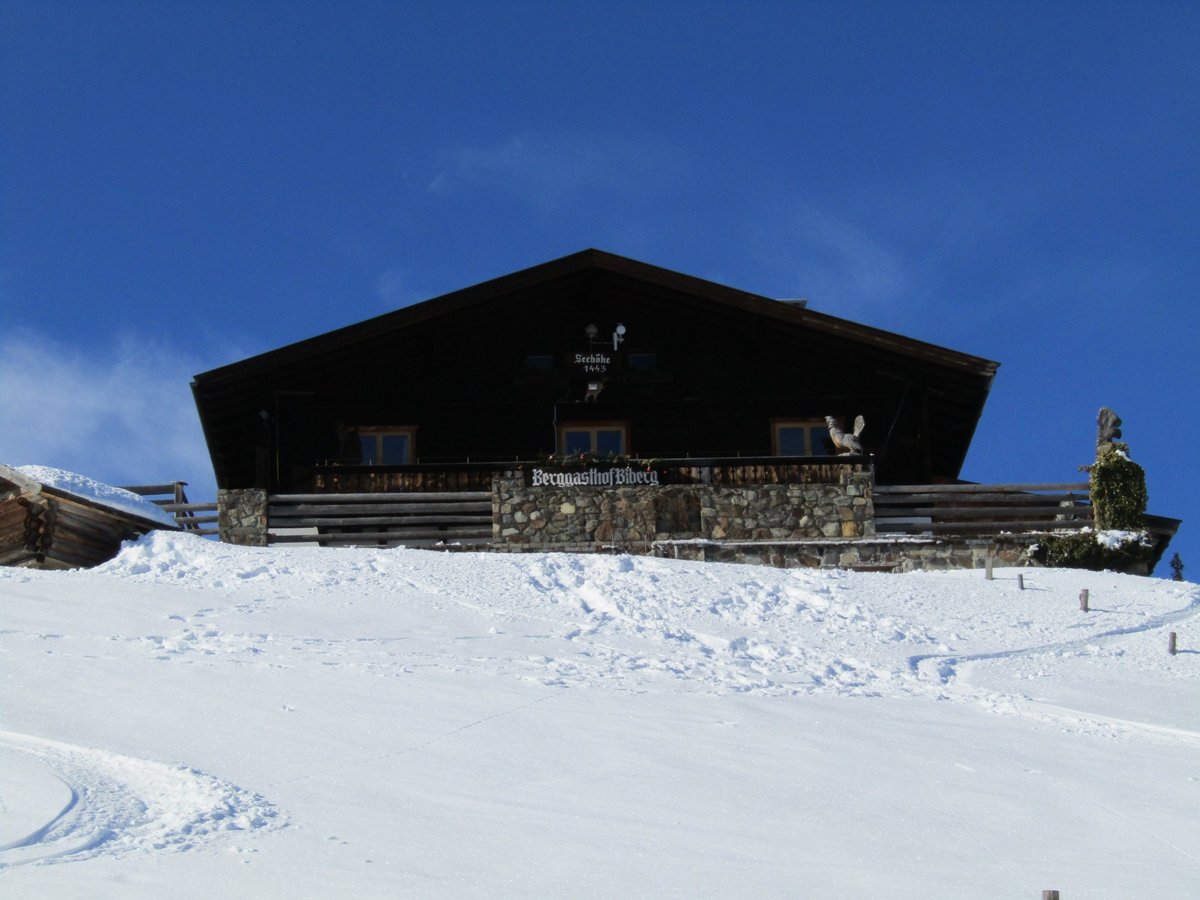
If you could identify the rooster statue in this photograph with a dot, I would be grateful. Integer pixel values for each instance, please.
(846, 443)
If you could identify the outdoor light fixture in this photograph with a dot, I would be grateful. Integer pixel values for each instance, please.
(591, 331)
(618, 336)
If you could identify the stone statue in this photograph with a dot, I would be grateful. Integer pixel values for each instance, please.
(1108, 427)
(843, 442)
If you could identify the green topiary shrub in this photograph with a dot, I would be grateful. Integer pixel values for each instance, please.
(1118, 490)
(1083, 550)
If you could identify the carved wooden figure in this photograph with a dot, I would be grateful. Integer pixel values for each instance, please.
(1108, 426)
(846, 443)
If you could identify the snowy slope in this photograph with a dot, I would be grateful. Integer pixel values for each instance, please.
(203, 720)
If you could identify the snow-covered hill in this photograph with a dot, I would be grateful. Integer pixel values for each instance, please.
(201, 720)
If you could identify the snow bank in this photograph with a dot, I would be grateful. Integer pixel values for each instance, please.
(98, 492)
(412, 723)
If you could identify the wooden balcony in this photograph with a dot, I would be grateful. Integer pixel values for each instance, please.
(435, 477)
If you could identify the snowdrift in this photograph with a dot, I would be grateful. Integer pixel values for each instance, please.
(195, 718)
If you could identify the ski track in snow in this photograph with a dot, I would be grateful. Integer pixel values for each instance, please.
(951, 671)
(947, 662)
(117, 805)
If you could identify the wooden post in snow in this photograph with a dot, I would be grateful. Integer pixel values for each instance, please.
(1171, 644)
(1083, 600)
(988, 568)
(1049, 895)
(1020, 582)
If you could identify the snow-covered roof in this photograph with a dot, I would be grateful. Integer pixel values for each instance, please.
(97, 492)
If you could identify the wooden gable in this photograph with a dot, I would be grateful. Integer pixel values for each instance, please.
(492, 371)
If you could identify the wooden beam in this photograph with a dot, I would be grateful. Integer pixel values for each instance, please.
(413, 497)
(351, 521)
(375, 537)
(971, 488)
(959, 512)
(281, 511)
(1039, 526)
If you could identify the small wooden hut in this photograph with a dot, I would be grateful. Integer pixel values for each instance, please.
(45, 527)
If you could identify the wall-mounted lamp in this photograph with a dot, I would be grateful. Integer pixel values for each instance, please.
(618, 336)
(591, 331)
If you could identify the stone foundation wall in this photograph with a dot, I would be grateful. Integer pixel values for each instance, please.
(775, 512)
(633, 518)
(786, 526)
(864, 554)
(242, 516)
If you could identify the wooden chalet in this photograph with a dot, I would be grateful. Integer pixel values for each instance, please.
(588, 353)
(44, 527)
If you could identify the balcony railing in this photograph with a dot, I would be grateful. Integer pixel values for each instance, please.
(981, 509)
(477, 476)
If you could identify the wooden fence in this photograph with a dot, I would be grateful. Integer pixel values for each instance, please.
(964, 510)
(172, 498)
(417, 519)
(475, 477)
(759, 470)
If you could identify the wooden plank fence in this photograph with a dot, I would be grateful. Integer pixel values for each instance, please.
(473, 477)
(753, 471)
(417, 519)
(172, 498)
(965, 510)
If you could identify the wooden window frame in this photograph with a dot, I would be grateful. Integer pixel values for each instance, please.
(810, 426)
(593, 428)
(381, 431)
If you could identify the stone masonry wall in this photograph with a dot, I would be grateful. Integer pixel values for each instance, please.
(774, 512)
(634, 517)
(242, 516)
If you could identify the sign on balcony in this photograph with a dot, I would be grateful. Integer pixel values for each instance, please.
(591, 476)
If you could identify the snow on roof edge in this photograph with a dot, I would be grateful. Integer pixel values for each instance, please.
(98, 492)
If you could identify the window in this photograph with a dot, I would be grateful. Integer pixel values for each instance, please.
(386, 446)
(800, 437)
(600, 438)
(643, 362)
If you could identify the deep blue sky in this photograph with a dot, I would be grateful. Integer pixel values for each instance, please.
(184, 184)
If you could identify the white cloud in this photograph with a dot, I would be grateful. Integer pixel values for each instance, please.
(840, 267)
(551, 170)
(123, 415)
(392, 289)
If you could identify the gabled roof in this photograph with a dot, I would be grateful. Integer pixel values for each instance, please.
(462, 300)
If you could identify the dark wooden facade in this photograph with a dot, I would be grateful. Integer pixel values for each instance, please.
(502, 371)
